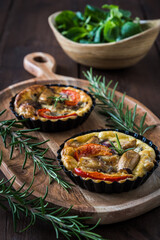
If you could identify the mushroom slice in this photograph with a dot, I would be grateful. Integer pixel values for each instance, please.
(92, 164)
(129, 144)
(93, 139)
(76, 144)
(44, 97)
(73, 144)
(129, 160)
(110, 160)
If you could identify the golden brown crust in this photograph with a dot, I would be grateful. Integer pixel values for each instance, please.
(143, 156)
(35, 97)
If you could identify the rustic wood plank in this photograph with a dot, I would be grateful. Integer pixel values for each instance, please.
(144, 227)
(4, 217)
(151, 10)
(5, 8)
(87, 194)
(84, 202)
(33, 19)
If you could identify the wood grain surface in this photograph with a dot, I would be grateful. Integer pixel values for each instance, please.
(109, 207)
(24, 29)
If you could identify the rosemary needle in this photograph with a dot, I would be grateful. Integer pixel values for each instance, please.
(19, 201)
(58, 99)
(119, 148)
(21, 138)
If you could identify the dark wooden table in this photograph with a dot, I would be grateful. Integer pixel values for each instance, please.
(24, 29)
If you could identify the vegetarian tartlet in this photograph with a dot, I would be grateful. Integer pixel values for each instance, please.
(108, 160)
(52, 107)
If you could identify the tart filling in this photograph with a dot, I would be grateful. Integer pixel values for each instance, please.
(94, 156)
(52, 103)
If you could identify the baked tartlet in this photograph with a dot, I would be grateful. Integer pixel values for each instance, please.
(92, 162)
(52, 107)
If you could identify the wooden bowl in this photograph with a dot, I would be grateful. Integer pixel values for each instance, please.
(124, 53)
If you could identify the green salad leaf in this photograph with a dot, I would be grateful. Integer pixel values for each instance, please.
(109, 24)
(76, 33)
(111, 31)
(96, 14)
(80, 16)
(130, 29)
(98, 34)
(114, 11)
(126, 14)
(66, 19)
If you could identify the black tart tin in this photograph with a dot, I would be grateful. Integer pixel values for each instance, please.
(114, 187)
(59, 125)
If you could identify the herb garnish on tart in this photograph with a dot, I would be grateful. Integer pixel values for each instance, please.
(108, 160)
(52, 108)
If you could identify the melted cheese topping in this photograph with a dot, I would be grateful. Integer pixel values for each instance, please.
(28, 101)
(109, 164)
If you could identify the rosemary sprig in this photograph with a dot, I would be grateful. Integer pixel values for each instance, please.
(19, 138)
(58, 99)
(118, 115)
(20, 202)
(119, 148)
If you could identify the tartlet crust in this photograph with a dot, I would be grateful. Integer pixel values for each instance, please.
(23, 104)
(145, 164)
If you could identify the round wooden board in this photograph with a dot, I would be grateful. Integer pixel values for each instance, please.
(110, 208)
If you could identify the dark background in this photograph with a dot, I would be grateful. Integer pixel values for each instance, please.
(23, 29)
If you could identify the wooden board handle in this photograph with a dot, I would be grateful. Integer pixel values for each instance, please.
(41, 65)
